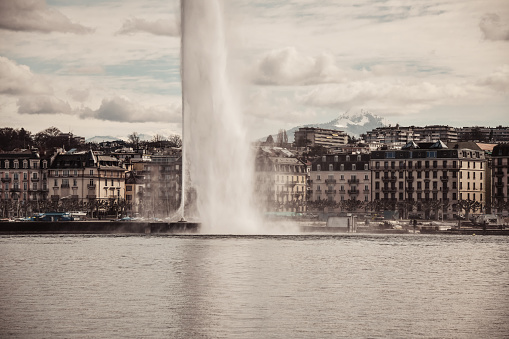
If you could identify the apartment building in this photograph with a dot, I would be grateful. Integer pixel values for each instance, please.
(85, 176)
(500, 176)
(404, 134)
(280, 181)
(337, 177)
(427, 172)
(312, 136)
(23, 179)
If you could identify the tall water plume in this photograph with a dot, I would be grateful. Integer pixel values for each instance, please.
(217, 163)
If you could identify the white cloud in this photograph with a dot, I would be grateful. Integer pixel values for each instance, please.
(159, 27)
(43, 104)
(122, 109)
(287, 66)
(497, 80)
(19, 80)
(493, 28)
(35, 15)
(384, 97)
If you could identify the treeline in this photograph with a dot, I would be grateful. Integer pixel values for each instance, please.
(47, 139)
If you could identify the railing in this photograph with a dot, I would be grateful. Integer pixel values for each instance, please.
(330, 192)
(353, 191)
(410, 178)
(6, 179)
(444, 178)
(389, 179)
(499, 184)
(65, 186)
(389, 189)
(91, 187)
(353, 181)
(330, 181)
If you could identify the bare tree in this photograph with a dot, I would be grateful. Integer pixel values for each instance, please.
(134, 140)
(175, 140)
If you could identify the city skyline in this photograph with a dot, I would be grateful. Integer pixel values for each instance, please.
(112, 68)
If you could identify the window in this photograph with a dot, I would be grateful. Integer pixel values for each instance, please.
(390, 155)
(318, 167)
(55, 184)
(25, 176)
(6, 164)
(16, 176)
(366, 177)
(129, 188)
(75, 182)
(342, 177)
(342, 167)
(25, 164)
(91, 172)
(91, 183)
(16, 164)
(25, 186)
(34, 175)
(366, 167)
(34, 186)
(331, 167)
(431, 154)
(354, 167)
(426, 164)
(377, 164)
(347, 158)
(324, 158)
(336, 158)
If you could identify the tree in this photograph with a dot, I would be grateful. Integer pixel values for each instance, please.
(468, 205)
(134, 140)
(282, 138)
(270, 140)
(351, 205)
(175, 140)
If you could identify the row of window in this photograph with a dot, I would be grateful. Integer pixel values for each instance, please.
(15, 164)
(336, 158)
(16, 186)
(342, 167)
(353, 177)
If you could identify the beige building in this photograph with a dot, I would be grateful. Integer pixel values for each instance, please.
(433, 176)
(84, 176)
(281, 181)
(341, 177)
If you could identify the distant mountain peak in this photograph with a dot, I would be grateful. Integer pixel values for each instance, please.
(353, 124)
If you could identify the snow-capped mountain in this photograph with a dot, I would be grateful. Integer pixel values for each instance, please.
(98, 139)
(102, 138)
(353, 124)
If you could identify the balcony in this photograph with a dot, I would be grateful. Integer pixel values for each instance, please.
(499, 184)
(65, 186)
(389, 189)
(410, 178)
(499, 173)
(6, 179)
(330, 192)
(91, 187)
(353, 181)
(91, 196)
(444, 178)
(353, 191)
(410, 189)
(389, 179)
(330, 181)
(366, 190)
(35, 179)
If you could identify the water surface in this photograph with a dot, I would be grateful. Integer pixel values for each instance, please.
(307, 286)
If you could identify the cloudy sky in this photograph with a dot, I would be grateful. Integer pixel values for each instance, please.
(112, 67)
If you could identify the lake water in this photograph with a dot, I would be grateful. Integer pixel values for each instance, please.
(307, 286)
